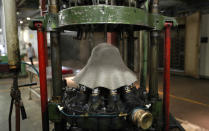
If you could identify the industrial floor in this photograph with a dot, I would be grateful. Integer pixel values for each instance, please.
(189, 103)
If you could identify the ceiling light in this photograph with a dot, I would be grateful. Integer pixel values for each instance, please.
(28, 18)
(0, 30)
(21, 22)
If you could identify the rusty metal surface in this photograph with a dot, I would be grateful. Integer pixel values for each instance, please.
(11, 34)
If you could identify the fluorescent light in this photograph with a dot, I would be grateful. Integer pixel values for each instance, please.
(0, 30)
(28, 18)
(26, 36)
(21, 22)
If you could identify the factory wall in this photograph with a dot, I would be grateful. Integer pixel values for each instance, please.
(204, 46)
(192, 45)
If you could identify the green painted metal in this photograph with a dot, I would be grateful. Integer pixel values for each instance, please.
(51, 22)
(157, 112)
(145, 43)
(41, 19)
(4, 60)
(108, 14)
(54, 114)
(74, 17)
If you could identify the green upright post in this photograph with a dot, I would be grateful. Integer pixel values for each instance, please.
(153, 82)
(145, 43)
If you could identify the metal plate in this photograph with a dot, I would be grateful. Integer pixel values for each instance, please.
(115, 17)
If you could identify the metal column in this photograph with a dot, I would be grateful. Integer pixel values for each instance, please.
(153, 83)
(112, 38)
(13, 57)
(43, 8)
(56, 62)
(43, 11)
(130, 50)
(55, 55)
(145, 43)
(11, 34)
(43, 81)
(144, 52)
(166, 88)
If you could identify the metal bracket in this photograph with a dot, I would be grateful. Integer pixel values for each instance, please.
(51, 21)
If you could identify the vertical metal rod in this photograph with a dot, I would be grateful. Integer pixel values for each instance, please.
(56, 65)
(17, 117)
(56, 62)
(112, 2)
(46, 48)
(43, 82)
(145, 43)
(11, 34)
(31, 80)
(13, 55)
(43, 11)
(55, 55)
(105, 32)
(10, 114)
(43, 7)
(166, 89)
(130, 50)
(153, 83)
(112, 38)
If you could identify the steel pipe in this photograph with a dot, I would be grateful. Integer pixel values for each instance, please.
(17, 116)
(56, 63)
(43, 7)
(112, 38)
(145, 43)
(43, 11)
(153, 83)
(55, 55)
(42, 73)
(166, 86)
(130, 50)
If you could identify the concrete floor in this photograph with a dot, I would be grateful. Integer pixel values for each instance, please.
(32, 107)
(189, 102)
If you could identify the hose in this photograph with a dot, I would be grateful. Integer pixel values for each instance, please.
(33, 67)
(91, 115)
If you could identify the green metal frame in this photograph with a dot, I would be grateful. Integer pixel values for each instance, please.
(108, 14)
(103, 14)
(54, 114)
